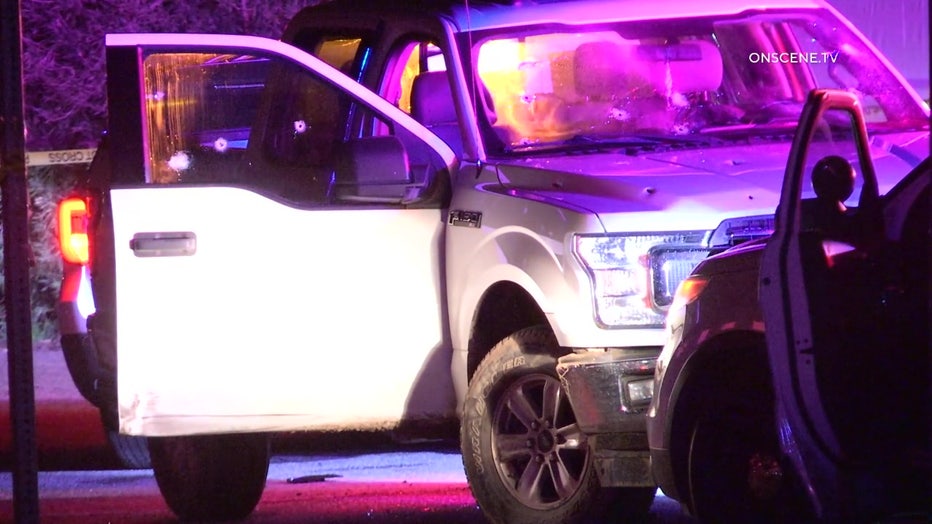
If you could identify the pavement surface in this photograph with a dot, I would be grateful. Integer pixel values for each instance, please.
(69, 434)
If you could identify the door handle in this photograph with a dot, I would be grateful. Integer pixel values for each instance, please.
(164, 244)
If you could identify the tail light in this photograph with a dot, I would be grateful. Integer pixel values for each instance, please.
(72, 230)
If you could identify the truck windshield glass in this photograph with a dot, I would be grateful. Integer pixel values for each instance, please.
(670, 78)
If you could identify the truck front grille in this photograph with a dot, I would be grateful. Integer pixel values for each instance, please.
(669, 265)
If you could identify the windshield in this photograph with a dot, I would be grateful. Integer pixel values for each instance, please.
(669, 79)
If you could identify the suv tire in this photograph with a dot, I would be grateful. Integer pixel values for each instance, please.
(737, 472)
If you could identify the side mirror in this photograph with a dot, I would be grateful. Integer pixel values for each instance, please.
(833, 179)
(374, 170)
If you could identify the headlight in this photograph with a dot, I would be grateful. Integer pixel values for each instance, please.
(633, 276)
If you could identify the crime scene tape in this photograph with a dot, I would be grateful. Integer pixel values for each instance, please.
(54, 158)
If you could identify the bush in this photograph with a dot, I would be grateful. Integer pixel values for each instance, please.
(47, 186)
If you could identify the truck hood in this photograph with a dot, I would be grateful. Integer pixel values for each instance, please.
(677, 190)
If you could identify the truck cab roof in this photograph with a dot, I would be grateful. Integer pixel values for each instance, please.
(484, 14)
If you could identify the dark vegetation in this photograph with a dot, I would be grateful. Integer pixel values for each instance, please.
(65, 100)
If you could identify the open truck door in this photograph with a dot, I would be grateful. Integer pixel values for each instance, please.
(276, 230)
(844, 289)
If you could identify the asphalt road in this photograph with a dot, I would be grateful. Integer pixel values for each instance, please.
(424, 486)
(372, 486)
(335, 479)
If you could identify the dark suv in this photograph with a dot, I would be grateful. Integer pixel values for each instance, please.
(823, 415)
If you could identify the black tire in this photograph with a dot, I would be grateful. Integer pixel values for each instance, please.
(518, 425)
(736, 470)
(211, 477)
(131, 451)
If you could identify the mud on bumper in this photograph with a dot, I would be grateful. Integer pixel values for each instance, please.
(610, 392)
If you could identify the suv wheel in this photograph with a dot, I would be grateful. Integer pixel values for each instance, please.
(211, 477)
(525, 457)
(736, 470)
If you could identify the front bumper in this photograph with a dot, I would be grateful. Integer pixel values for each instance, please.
(607, 390)
(610, 390)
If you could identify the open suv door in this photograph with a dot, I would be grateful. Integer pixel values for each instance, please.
(844, 287)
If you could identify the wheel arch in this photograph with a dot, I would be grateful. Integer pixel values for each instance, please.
(504, 308)
(731, 363)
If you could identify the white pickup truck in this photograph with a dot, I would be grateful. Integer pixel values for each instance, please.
(466, 212)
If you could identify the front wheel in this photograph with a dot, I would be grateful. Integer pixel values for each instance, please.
(737, 472)
(211, 477)
(525, 457)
